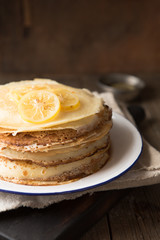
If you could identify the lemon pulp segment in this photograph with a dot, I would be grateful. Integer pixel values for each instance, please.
(39, 106)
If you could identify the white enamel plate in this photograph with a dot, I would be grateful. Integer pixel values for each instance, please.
(126, 149)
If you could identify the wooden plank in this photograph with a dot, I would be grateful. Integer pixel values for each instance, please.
(137, 216)
(99, 231)
(81, 37)
(65, 220)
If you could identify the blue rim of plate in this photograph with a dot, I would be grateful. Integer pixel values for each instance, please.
(84, 188)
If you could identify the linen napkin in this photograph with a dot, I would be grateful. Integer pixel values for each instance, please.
(146, 171)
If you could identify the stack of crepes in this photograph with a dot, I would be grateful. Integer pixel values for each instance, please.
(51, 133)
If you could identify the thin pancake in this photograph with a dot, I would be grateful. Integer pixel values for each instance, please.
(47, 140)
(53, 157)
(9, 107)
(22, 172)
(71, 145)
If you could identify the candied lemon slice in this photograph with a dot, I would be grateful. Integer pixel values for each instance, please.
(39, 106)
(68, 99)
(17, 94)
(14, 96)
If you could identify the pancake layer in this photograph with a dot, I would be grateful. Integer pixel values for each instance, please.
(75, 145)
(63, 172)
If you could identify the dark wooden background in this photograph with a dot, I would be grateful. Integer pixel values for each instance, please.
(79, 36)
(50, 38)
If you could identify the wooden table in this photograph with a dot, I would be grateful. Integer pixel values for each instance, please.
(137, 214)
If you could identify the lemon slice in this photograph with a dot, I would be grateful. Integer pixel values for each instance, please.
(68, 99)
(17, 94)
(39, 106)
(14, 96)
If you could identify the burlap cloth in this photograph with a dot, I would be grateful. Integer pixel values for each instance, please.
(146, 171)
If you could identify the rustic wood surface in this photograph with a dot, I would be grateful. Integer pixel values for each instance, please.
(79, 36)
(136, 216)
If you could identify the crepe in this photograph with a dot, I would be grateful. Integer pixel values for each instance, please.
(10, 119)
(73, 145)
